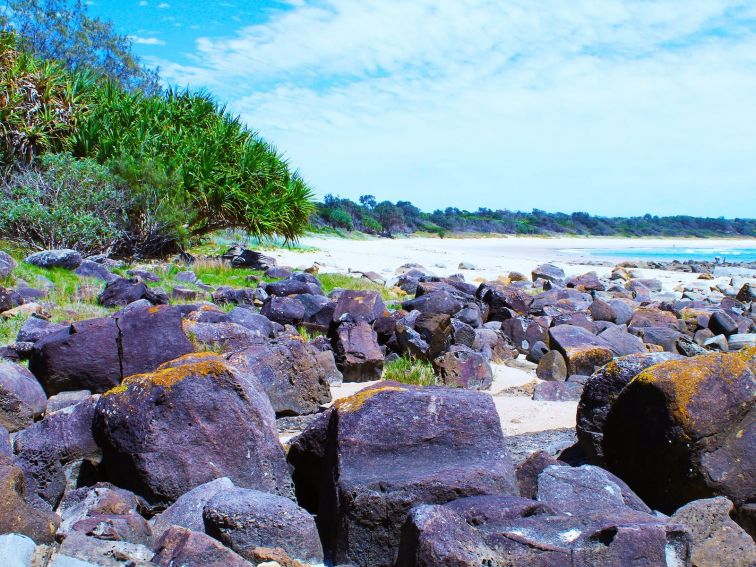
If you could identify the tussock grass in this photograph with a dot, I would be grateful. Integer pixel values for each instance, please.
(345, 281)
(410, 371)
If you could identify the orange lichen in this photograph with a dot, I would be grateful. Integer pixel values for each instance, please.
(199, 365)
(748, 354)
(356, 401)
(686, 377)
(153, 309)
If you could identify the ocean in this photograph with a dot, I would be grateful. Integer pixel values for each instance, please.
(675, 253)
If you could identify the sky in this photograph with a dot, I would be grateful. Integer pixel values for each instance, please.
(613, 107)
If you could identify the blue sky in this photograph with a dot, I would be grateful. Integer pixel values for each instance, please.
(615, 107)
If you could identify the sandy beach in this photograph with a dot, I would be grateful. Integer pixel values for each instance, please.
(492, 257)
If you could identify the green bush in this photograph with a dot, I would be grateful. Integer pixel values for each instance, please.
(65, 203)
(371, 225)
(341, 219)
(410, 371)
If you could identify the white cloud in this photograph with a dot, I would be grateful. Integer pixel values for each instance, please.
(612, 106)
(139, 40)
(143, 3)
(164, 6)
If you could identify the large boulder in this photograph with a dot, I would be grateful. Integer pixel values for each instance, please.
(600, 391)
(462, 367)
(548, 272)
(504, 301)
(64, 258)
(717, 541)
(186, 511)
(59, 449)
(97, 354)
(435, 302)
(245, 519)
(193, 420)
(222, 337)
(121, 291)
(436, 330)
(240, 257)
(188, 548)
(358, 305)
(517, 532)
(363, 464)
(16, 516)
(90, 269)
(357, 353)
(289, 370)
(686, 429)
(22, 399)
(583, 351)
(297, 284)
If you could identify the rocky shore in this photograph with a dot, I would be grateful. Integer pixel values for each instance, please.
(200, 425)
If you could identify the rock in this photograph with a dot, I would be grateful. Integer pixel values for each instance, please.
(358, 356)
(621, 342)
(16, 550)
(68, 259)
(514, 531)
(664, 337)
(7, 265)
(721, 323)
(350, 471)
(290, 373)
(22, 399)
(651, 317)
(602, 311)
(187, 548)
(25, 310)
(121, 292)
(219, 336)
(187, 276)
(184, 294)
(548, 272)
(357, 305)
(255, 322)
(530, 469)
(434, 302)
(717, 541)
(66, 399)
(684, 430)
(493, 345)
(89, 269)
(436, 330)
(577, 490)
(462, 367)
(582, 350)
(57, 450)
(97, 354)
(297, 284)
(557, 392)
(552, 367)
(94, 551)
(537, 351)
(741, 340)
(186, 412)
(186, 511)
(278, 272)
(284, 310)
(462, 333)
(35, 328)
(16, 516)
(504, 301)
(328, 364)
(586, 282)
(746, 293)
(144, 275)
(225, 294)
(524, 331)
(247, 519)
(470, 314)
(104, 512)
(6, 300)
(717, 343)
(240, 257)
(599, 394)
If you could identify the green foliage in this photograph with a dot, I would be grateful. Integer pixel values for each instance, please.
(371, 225)
(410, 371)
(66, 203)
(39, 103)
(61, 30)
(339, 218)
(329, 282)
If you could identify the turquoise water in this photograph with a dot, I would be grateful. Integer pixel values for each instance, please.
(678, 253)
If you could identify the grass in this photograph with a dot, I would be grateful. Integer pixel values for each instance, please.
(345, 281)
(410, 371)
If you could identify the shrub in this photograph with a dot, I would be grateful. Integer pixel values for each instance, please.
(65, 203)
(371, 225)
(410, 371)
(341, 219)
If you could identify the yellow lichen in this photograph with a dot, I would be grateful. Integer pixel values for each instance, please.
(685, 378)
(200, 365)
(356, 401)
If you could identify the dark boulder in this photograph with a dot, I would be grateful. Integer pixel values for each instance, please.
(557, 392)
(582, 350)
(721, 323)
(548, 272)
(259, 324)
(525, 331)
(530, 469)
(602, 311)
(436, 331)
(434, 302)
(284, 310)
(22, 399)
(653, 317)
(225, 294)
(245, 519)
(121, 292)
(621, 342)
(494, 345)
(186, 511)
(164, 433)
(64, 258)
(552, 367)
(89, 269)
(66, 399)
(16, 516)
(585, 282)
(96, 354)
(686, 429)
(35, 328)
(504, 301)
(358, 355)
(240, 257)
(462, 367)
(290, 373)
(54, 451)
(222, 337)
(294, 285)
(600, 391)
(7, 265)
(363, 464)
(358, 305)
(187, 548)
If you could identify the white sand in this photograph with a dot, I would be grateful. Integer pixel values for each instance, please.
(492, 257)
